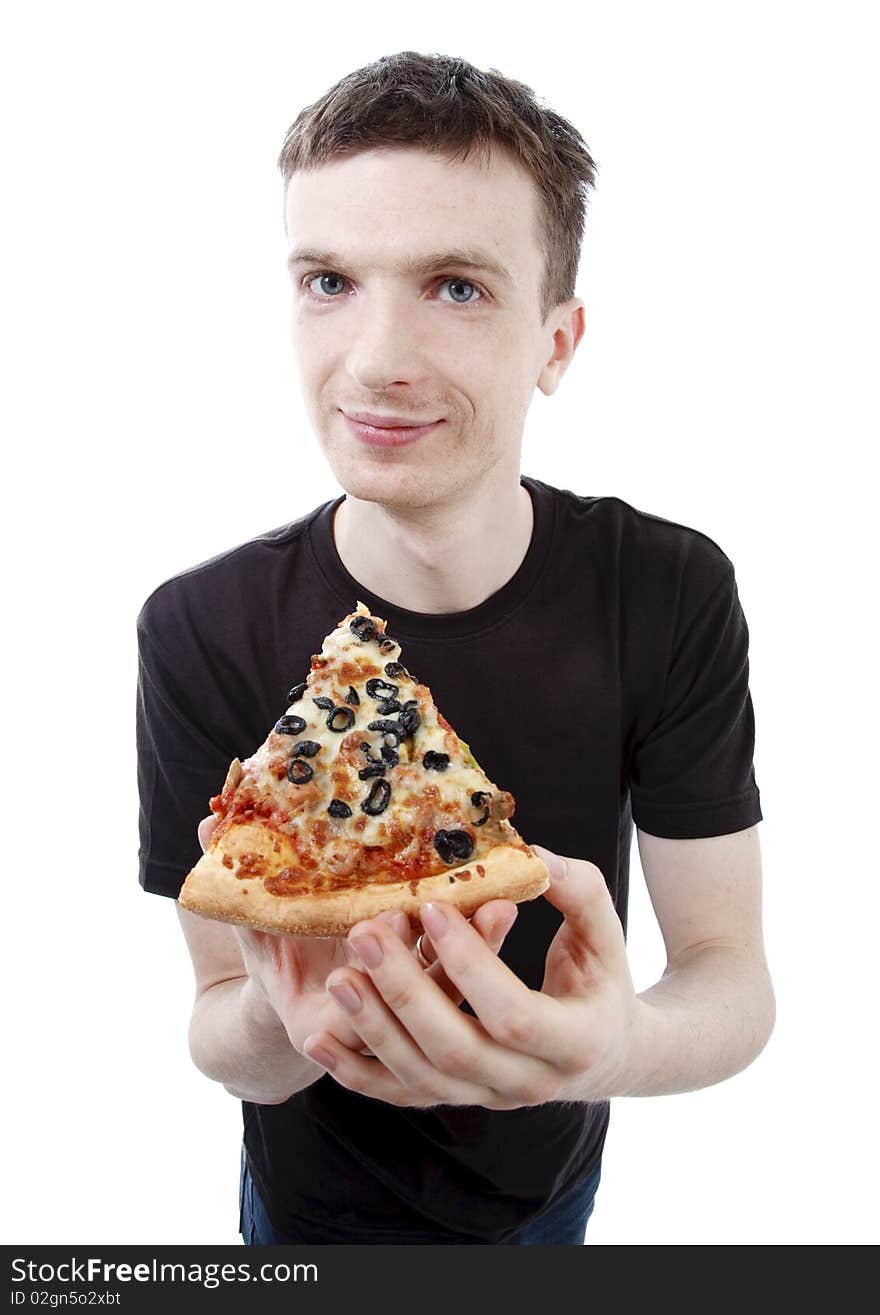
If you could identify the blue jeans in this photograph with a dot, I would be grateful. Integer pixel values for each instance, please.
(564, 1224)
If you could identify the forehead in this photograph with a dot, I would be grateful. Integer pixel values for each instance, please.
(387, 205)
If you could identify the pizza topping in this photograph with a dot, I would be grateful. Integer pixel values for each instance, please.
(338, 808)
(352, 697)
(363, 628)
(502, 806)
(306, 748)
(376, 686)
(290, 725)
(395, 670)
(343, 712)
(294, 695)
(435, 762)
(478, 799)
(375, 766)
(377, 800)
(324, 703)
(454, 846)
(299, 772)
(394, 729)
(410, 717)
(250, 865)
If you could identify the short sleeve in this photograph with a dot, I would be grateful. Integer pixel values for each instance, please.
(180, 766)
(692, 773)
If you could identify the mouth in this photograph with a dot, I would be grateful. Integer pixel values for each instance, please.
(386, 431)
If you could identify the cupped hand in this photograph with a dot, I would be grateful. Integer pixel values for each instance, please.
(291, 971)
(575, 1039)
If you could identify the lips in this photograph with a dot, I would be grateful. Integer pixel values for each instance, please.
(386, 431)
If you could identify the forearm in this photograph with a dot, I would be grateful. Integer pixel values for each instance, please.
(707, 1018)
(235, 1037)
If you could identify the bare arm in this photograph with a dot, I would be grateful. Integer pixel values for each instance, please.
(713, 1010)
(235, 1035)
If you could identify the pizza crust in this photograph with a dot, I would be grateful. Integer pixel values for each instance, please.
(213, 889)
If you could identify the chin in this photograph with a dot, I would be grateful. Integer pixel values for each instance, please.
(390, 484)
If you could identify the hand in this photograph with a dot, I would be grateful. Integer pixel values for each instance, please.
(291, 971)
(572, 1040)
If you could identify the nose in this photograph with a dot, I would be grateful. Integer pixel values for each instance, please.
(385, 343)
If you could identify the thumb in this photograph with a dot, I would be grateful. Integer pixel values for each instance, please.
(207, 827)
(577, 888)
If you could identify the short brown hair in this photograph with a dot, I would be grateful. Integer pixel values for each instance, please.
(447, 105)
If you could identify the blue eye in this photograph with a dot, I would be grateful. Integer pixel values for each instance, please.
(328, 277)
(463, 283)
(332, 284)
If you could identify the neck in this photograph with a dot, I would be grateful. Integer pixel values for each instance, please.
(446, 557)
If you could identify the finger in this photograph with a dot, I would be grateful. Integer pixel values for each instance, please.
(405, 1017)
(577, 888)
(207, 827)
(493, 921)
(369, 1076)
(516, 1017)
(401, 926)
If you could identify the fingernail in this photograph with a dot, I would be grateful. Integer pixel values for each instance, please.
(397, 920)
(369, 949)
(555, 864)
(433, 920)
(320, 1056)
(346, 996)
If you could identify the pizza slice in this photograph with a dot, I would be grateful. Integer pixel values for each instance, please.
(362, 798)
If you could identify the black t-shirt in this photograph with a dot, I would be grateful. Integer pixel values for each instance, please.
(606, 681)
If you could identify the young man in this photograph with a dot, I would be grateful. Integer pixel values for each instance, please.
(594, 655)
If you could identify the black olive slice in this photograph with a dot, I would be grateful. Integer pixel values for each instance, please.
(295, 694)
(353, 697)
(389, 705)
(386, 644)
(305, 748)
(453, 846)
(324, 702)
(338, 808)
(347, 716)
(388, 728)
(434, 761)
(391, 756)
(375, 765)
(478, 799)
(395, 670)
(290, 725)
(377, 688)
(410, 719)
(363, 628)
(299, 772)
(377, 800)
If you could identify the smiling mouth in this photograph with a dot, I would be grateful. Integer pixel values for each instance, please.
(388, 433)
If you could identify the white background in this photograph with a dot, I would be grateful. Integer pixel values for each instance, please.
(152, 419)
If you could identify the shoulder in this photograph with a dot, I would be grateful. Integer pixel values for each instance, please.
(215, 589)
(644, 547)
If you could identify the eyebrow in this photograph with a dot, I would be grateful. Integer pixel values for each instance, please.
(459, 258)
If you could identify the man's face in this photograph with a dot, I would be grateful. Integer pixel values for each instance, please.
(374, 332)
